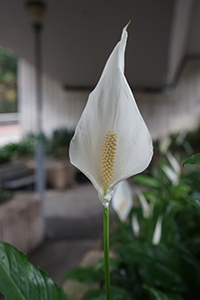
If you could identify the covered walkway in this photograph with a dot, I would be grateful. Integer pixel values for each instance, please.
(74, 224)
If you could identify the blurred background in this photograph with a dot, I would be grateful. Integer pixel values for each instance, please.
(52, 54)
(162, 60)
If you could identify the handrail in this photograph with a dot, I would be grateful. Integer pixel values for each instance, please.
(9, 117)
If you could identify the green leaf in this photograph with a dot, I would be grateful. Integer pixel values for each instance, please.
(87, 275)
(190, 266)
(116, 294)
(160, 295)
(194, 200)
(95, 295)
(193, 160)
(158, 265)
(20, 280)
(146, 180)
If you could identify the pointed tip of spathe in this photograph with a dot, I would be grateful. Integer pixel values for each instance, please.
(126, 27)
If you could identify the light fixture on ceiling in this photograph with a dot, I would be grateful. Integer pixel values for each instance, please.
(36, 11)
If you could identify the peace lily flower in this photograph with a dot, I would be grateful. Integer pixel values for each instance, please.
(158, 231)
(122, 200)
(111, 141)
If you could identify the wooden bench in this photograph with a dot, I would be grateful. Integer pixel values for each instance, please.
(15, 175)
(14, 184)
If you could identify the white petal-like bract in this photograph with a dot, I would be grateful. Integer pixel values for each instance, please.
(135, 225)
(122, 200)
(146, 209)
(172, 176)
(111, 123)
(174, 163)
(158, 231)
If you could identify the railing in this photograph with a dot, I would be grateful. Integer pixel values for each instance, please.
(9, 118)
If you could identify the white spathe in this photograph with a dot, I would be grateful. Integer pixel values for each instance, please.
(171, 175)
(111, 107)
(174, 163)
(122, 200)
(135, 225)
(146, 209)
(158, 231)
(164, 145)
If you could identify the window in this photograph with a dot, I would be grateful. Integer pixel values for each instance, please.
(8, 81)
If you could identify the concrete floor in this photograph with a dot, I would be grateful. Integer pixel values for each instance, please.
(58, 257)
(76, 213)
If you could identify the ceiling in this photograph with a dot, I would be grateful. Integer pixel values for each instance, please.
(78, 37)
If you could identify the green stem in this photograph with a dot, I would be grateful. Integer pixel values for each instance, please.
(106, 250)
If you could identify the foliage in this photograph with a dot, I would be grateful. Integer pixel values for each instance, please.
(169, 269)
(33, 283)
(161, 296)
(189, 140)
(194, 159)
(87, 275)
(15, 150)
(7, 62)
(5, 155)
(100, 294)
(56, 146)
(8, 81)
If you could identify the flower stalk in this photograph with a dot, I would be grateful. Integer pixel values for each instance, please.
(106, 250)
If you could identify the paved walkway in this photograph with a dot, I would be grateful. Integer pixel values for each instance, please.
(74, 225)
(73, 214)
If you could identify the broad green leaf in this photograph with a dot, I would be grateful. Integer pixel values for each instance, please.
(161, 296)
(116, 294)
(194, 200)
(20, 280)
(87, 275)
(158, 265)
(190, 266)
(146, 180)
(95, 295)
(193, 160)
